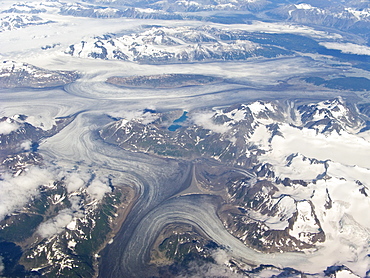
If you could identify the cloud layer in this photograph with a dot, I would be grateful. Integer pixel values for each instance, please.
(205, 120)
(77, 184)
(220, 269)
(349, 48)
(97, 189)
(17, 191)
(56, 224)
(7, 127)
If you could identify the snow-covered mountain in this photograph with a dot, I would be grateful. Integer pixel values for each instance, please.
(236, 125)
(12, 22)
(77, 9)
(190, 6)
(354, 17)
(34, 7)
(80, 9)
(18, 75)
(178, 44)
(301, 156)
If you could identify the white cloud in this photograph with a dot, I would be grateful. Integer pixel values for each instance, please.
(220, 256)
(97, 189)
(26, 145)
(76, 206)
(205, 120)
(17, 191)
(56, 224)
(75, 181)
(7, 127)
(148, 118)
(349, 48)
(220, 269)
(137, 115)
(128, 115)
(66, 218)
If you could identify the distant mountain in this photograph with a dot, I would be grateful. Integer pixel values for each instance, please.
(349, 16)
(34, 7)
(189, 6)
(11, 22)
(178, 44)
(163, 81)
(22, 11)
(84, 10)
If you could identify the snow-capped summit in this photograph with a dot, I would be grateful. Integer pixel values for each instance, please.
(346, 16)
(163, 44)
(330, 115)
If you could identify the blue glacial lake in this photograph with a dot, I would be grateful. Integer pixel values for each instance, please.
(175, 126)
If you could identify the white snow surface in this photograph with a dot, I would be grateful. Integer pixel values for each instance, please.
(286, 207)
(300, 168)
(305, 225)
(337, 170)
(362, 14)
(161, 43)
(335, 147)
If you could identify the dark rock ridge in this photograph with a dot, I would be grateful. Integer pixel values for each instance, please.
(163, 80)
